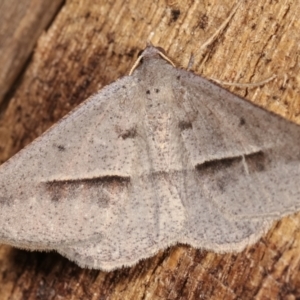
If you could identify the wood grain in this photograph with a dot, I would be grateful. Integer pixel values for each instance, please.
(21, 24)
(92, 43)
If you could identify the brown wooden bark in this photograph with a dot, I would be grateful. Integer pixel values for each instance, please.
(91, 43)
(21, 24)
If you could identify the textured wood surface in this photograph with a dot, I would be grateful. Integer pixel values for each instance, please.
(21, 24)
(90, 44)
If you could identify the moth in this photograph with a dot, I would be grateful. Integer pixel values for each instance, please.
(160, 157)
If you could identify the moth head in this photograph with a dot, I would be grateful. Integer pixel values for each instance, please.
(148, 53)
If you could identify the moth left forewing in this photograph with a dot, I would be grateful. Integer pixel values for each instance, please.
(70, 181)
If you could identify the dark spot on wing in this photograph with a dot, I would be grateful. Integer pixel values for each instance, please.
(61, 148)
(242, 121)
(128, 134)
(148, 92)
(183, 125)
(156, 91)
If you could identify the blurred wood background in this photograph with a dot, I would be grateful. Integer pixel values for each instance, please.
(54, 54)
